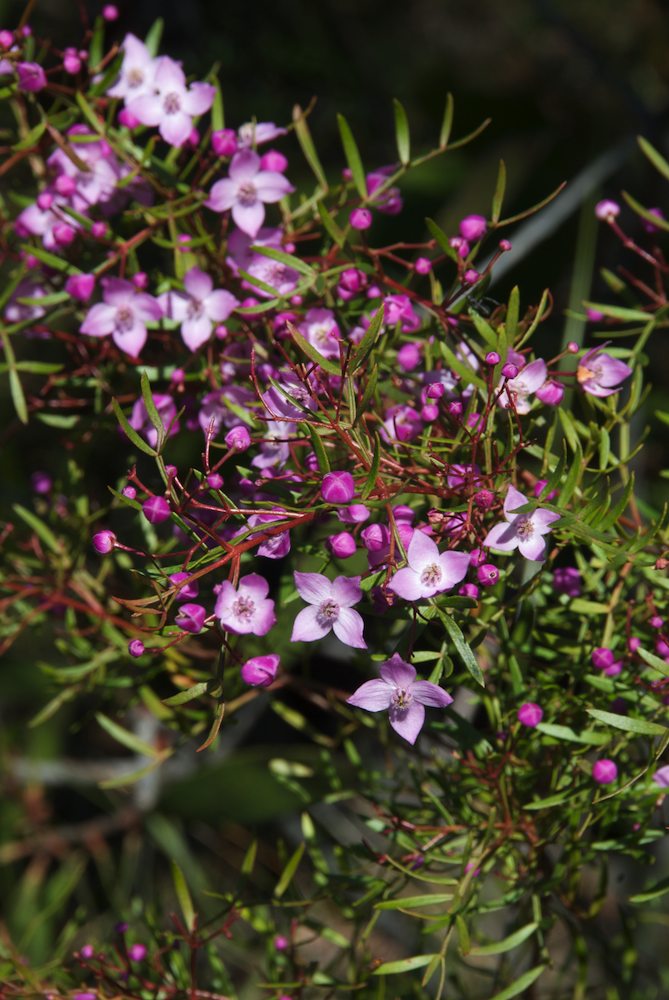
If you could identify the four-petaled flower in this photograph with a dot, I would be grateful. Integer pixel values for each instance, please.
(401, 695)
(600, 374)
(247, 608)
(522, 531)
(330, 607)
(199, 308)
(123, 314)
(429, 572)
(246, 190)
(517, 391)
(170, 103)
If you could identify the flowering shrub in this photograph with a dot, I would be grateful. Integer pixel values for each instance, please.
(338, 488)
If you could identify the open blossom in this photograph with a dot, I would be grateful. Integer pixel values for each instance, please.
(257, 133)
(522, 531)
(428, 572)
(402, 696)
(600, 374)
(170, 103)
(246, 191)
(140, 420)
(330, 607)
(519, 389)
(199, 308)
(321, 330)
(246, 609)
(137, 70)
(123, 314)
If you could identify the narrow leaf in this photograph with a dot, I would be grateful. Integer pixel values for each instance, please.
(352, 156)
(521, 984)
(447, 123)
(125, 738)
(402, 133)
(638, 726)
(325, 363)
(130, 432)
(498, 197)
(507, 944)
(462, 646)
(307, 144)
(184, 897)
(289, 871)
(404, 965)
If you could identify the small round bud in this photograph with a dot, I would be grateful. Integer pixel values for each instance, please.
(274, 160)
(260, 671)
(422, 265)
(435, 390)
(505, 245)
(602, 657)
(156, 509)
(607, 210)
(471, 276)
(455, 409)
(573, 347)
(214, 480)
(530, 714)
(63, 234)
(429, 413)
(41, 482)
(137, 952)
(487, 575)
(408, 357)
(189, 590)
(604, 771)
(484, 499)
(191, 617)
(99, 230)
(127, 119)
(634, 643)
(469, 590)
(238, 438)
(87, 951)
(338, 487)
(129, 491)
(281, 942)
(360, 218)
(104, 542)
(473, 228)
(45, 200)
(80, 286)
(342, 545)
(110, 12)
(656, 622)
(6, 39)
(136, 647)
(224, 142)
(509, 370)
(492, 358)
(140, 280)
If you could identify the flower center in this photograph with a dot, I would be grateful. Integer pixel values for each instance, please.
(328, 612)
(524, 527)
(431, 575)
(401, 699)
(584, 374)
(135, 77)
(247, 194)
(243, 608)
(124, 319)
(194, 309)
(172, 103)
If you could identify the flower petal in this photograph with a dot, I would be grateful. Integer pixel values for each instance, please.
(199, 98)
(307, 627)
(219, 305)
(408, 722)
(195, 332)
(348, 628)
(513, 500)
(175, 128)
(397, 672)
(244, 166)
(542, 519)
(271, 186)
(533, 547)
(222, 195)
(346, 591)
(501, 536)
(100, 321)
(198, 283)
(249, 218)
(406, 583)
(254, 585)
(314, 588)
(422, 551)
(431, 694)
(131, 341)
(373, 696)
(454, 566)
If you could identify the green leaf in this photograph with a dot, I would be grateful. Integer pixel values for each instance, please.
(367, 395)
(319, 450)
(151, 410)
(659, 889)
(325, 363)
(446, 123)
(370, 482)
(152, 40)
(655, 158)
(619, 312)
(97, 46)
(403, 965)
(460, 643)
(184, 896)
(130, 432)
(366, 345)
(89, 114)
(50, 259)
(331, 227)
(521, 984)
(402, 133)
(441, 238)
(32, 138)
(126, 738)
(40, 528)
(289, 871)
(498, 197)
(217, 112)
(565, 733)
(654, 661)
(307, 145)
(412, 902)
(507, 944)
(352, 156)
(15, 387)
(285, 258)
(190, 694)
(655, 220)
(638, 726)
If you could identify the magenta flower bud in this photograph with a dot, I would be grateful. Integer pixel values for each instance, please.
(473, 228)
(191, 617)
(87, 951)
(633, 643)
(31, 77)
(455, 410)
(260, 671)
(357, 513)
(656, 622)
(171, 471)
(63, 234)
(342, 545)
(360, 218)
(99, 230)
(422, 265)
(127, 119)
(352, 279)
(460, 246)
(156, 509)
(607, 210)
(338, 487)
(6, 39)
(65, 185)
(492, 358)
(408, 357)
(80, 286)
(435, 391)
(602, 657)
(539, 488)
(71, 61)
(551, 392)
(140, 280)
(662, 648)
(224, 142)
(530, 714)
(189, 591)
(104, 542)
(648, 226)
(403, 513)
(214, 480)
(567, 580)
(238, 438)
(281, 942)
(429, 413)
(477, 557)
(45, 200)
(274, 160)
(137, 952)
(84, 996)
(136, 647)
(469, 590)
(110, 12)
(129, 491)
(509, 370)
(487, 575)
(471, 276)
(505, 245)
(604, 771)
(41, 482)
(484, 499)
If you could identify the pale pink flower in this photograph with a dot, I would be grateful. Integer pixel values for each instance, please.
(428, 572)
(321, 330)
(246, 191)
(170, 103)
(330, 607)
(123, 315)
(402, 696)
(522, 531)
(246, 609)
(601, 375)
(199, 308)
(519, 389)
(257, 133)
(137, 70)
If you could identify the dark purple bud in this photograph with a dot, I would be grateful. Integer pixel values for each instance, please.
(260, 671)
(567, 580)
(469, 590)
(41, 482)
(191, 617)
(136, 647)
(338, 487)
(31, 77)
(435, 391)
(484, 499)
(156, 509)
(455, 410)
(189, 590)
(214, 481)
(104, 542)
(509, 370)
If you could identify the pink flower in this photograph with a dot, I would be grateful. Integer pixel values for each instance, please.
(31, 77)
(123, 314)
(246, 609)
(246, 190)
(171, 104)
(137, 70)
(321, 330)
(604, 771)
(257, 133)
(428, 572)
(661, 777)
(401, 695)
(260, 671)
(530, 714)
(330, 607)
(518, 390)
(199, 308)
(601, 375)
(141, 422)
(522, 531)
